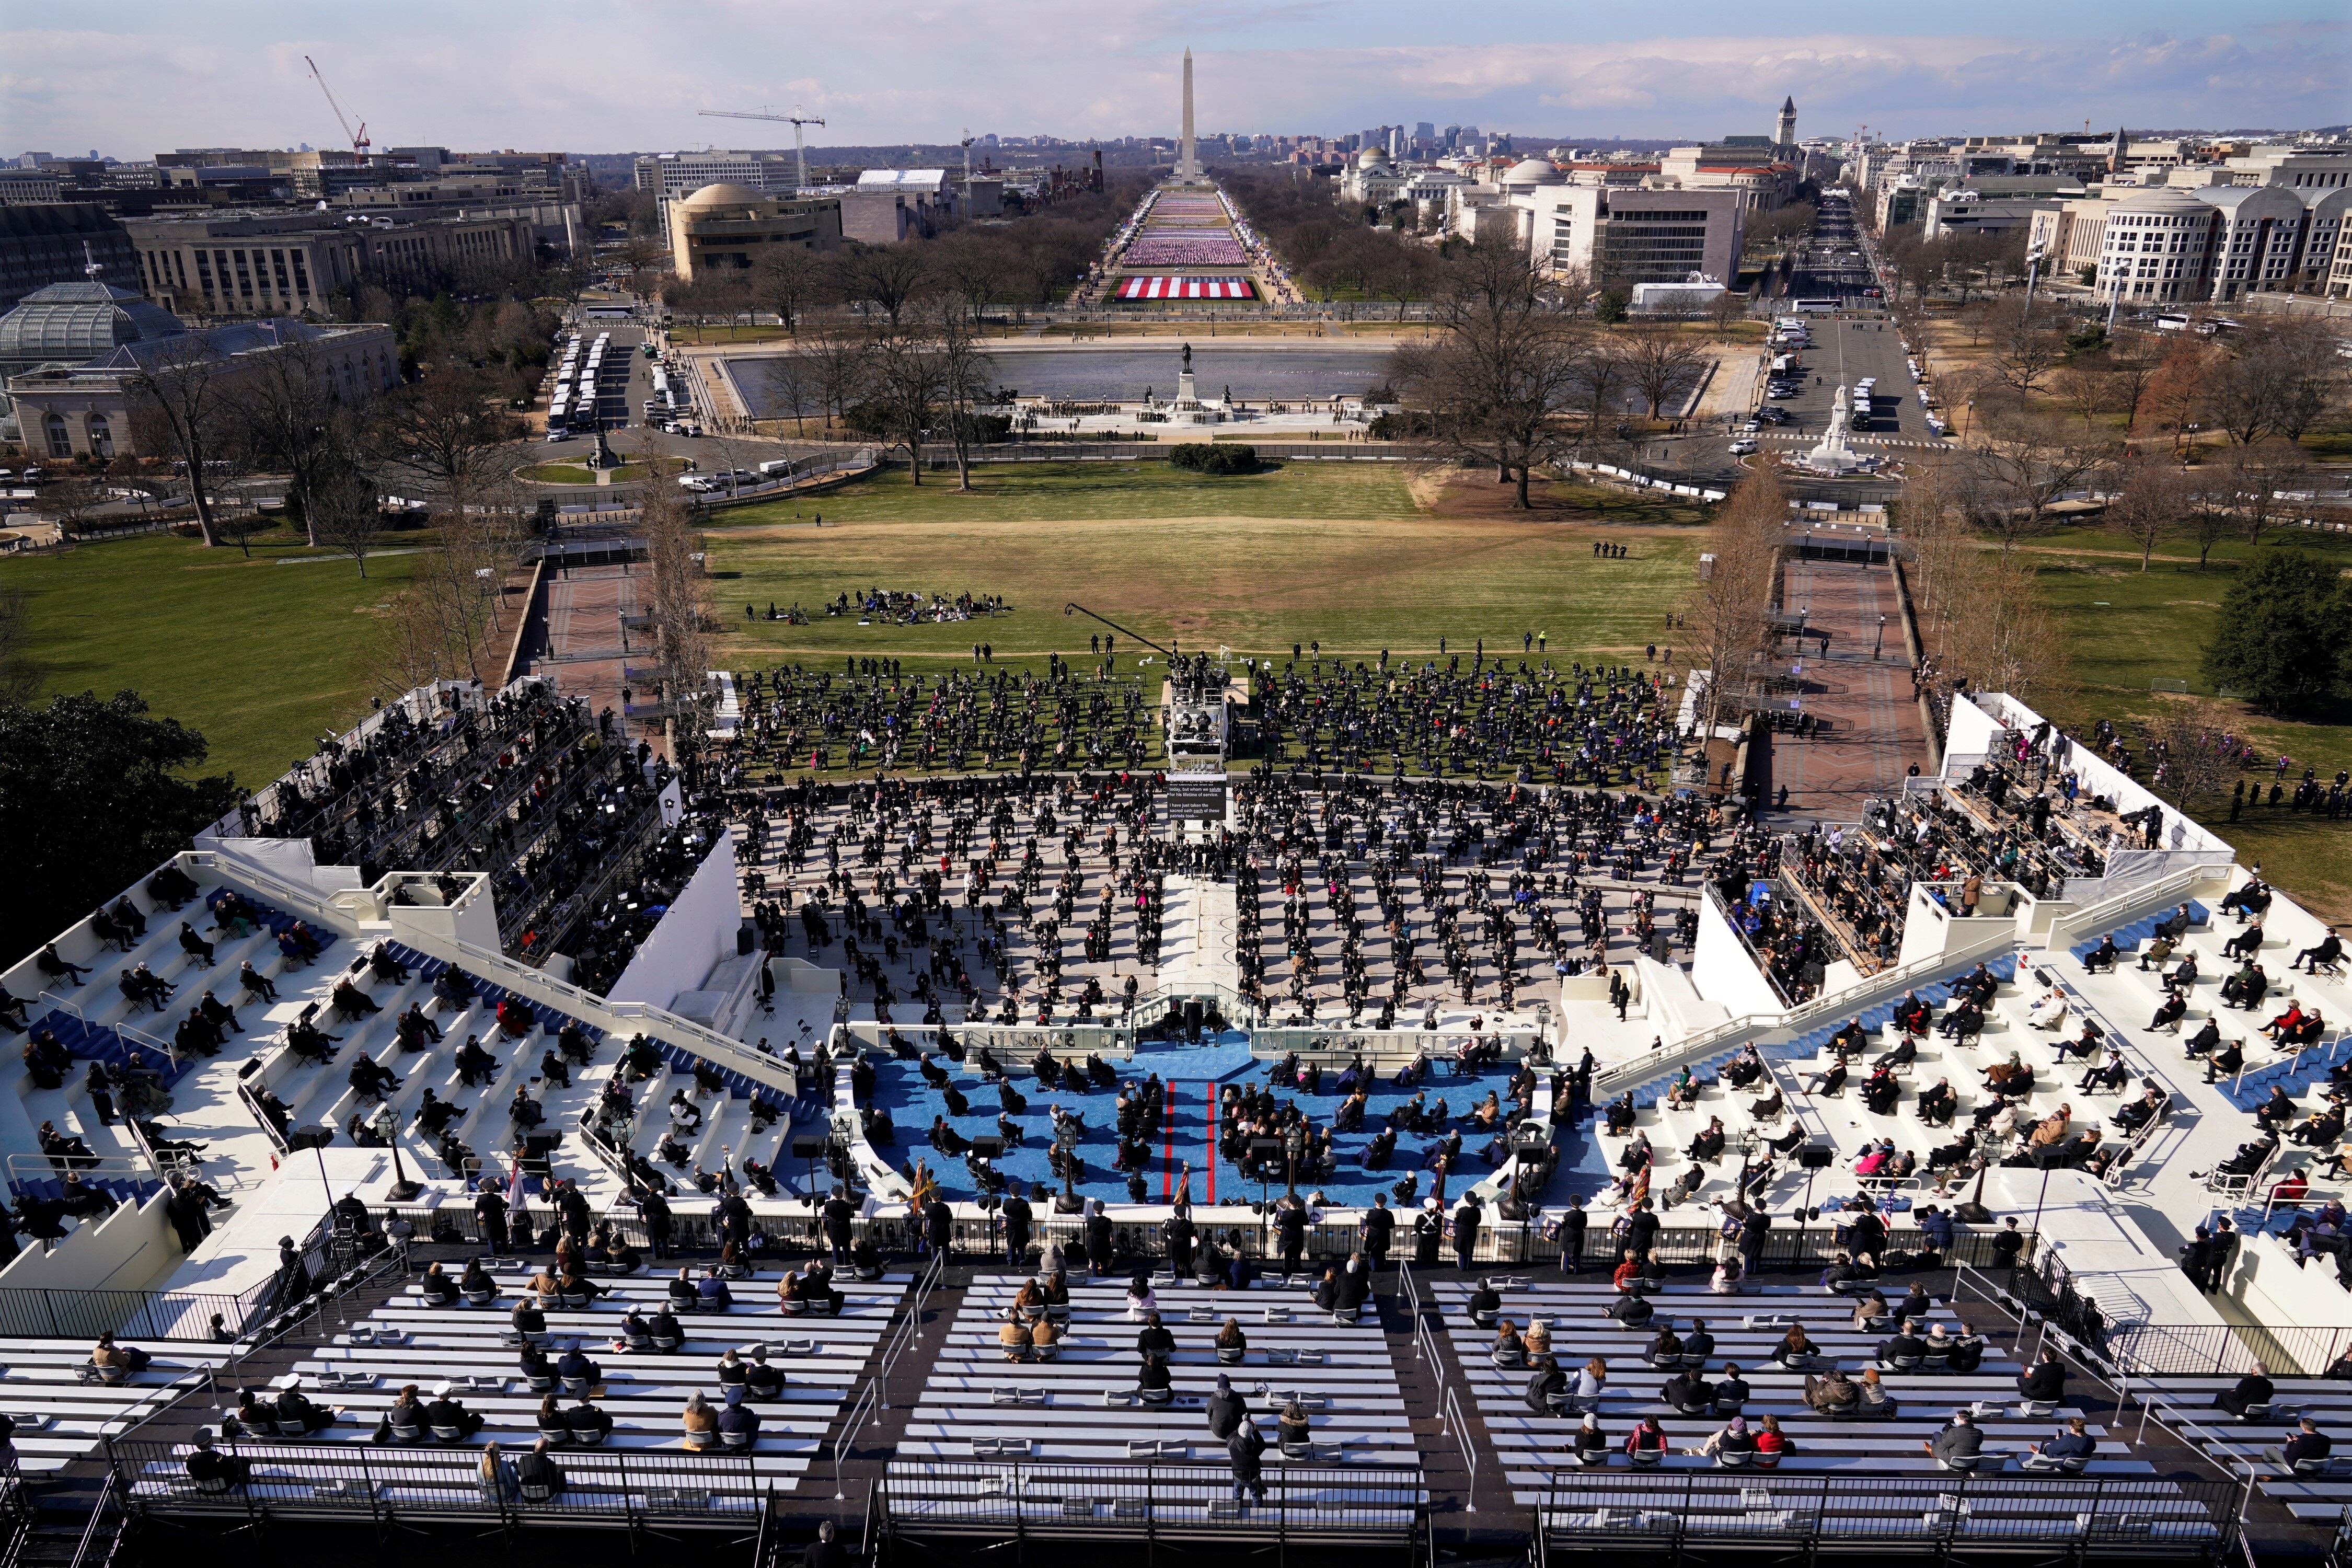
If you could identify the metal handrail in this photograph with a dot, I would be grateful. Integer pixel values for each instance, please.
(1739, 1031)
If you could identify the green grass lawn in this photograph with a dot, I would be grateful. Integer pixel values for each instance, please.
(1337, 553)
(259, 657)
(2128, 629)
(1073, 492)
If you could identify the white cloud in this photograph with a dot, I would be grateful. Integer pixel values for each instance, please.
(619, 74)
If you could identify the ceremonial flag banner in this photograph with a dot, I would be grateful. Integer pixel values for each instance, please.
(1160, 286)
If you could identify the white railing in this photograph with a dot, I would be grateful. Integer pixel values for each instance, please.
(621, 1017)
(305, 901)
(1733, 1033)
(2109, 913)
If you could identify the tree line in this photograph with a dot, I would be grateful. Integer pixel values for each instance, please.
(1016, 264)
(1520, 374)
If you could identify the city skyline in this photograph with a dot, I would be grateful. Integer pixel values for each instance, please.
(146, 80)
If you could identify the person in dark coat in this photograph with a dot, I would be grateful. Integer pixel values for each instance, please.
(188, 1212)
(1466, 1220)
(1017, 1220)
(939, 1226)
(1379, 1225)
(1245, 1449)
(490, 1219)
(1097, 1239)
(1226, 1410)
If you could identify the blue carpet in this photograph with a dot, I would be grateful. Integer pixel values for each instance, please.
(1194, 1077)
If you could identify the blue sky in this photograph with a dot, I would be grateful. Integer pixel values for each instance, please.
(616, 75)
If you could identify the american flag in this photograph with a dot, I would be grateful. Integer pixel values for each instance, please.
(1164, 286)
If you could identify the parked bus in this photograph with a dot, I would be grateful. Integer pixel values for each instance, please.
(1815, 307)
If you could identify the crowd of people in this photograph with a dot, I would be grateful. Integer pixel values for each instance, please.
(1533, 722)
(1433, 887)
(872, 715)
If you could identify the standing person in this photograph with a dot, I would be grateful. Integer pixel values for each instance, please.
(839, 1215)
(490, 1220)
(1378, 1226)
(1466, 1231)
(1752, 1231)
(1244, 1449)
(655, 1208)
(1017, 1220)
(1572, 1235)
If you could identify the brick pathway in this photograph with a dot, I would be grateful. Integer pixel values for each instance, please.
(1873, 731)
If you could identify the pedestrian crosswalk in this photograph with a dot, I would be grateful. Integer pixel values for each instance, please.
(1855, 440)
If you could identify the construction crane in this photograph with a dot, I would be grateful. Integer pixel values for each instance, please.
(359, 138)
(796, 118)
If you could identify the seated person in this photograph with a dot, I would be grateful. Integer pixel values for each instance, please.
(1689, 1392)
(738, 1424)
(2308, 1444)
(1732, 1445)
(1833, 1394)
(1509, 1351)
(437, 1289)
(1958, 1445)
(577, 1373)
(1547, 1390)
(2045, 1380)
(2075, 1443)
(2254, 1389)
(1731, 1391)
(1152, 1385)
(446, 1414)
(293, 1408)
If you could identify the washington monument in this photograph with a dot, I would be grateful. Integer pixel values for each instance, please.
(1187, 166)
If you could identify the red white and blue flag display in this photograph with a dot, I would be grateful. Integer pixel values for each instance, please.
(1163, 286)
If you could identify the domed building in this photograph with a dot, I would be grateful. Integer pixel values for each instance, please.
(69, 324)
(1529, 174)
(727, 226)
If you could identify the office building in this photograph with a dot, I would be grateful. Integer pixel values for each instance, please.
(286, 264)
(56, 243)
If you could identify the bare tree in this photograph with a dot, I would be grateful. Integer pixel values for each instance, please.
(1497, 381)
(1726, 606)
(2131, 366)
(2026, 461)
(283, 418)
(2177, 391)
(791, 386)
(72, 501)
(2024, 353)
(1661, 363)
(2184, 739)
(178, 394)
(2267, 487)
(841, 368)
(678, 602)
(909, 381)
(447, 431)
(2148, 507)
(2210, 495)
(346, 513)
(887, 276)
(2087, 386)
(966, 375)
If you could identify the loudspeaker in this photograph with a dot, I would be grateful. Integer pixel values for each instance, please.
(1815, 1159)
(988, 1148)
(809, 1147)
(1266, 1148)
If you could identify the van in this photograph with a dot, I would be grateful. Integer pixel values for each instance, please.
(777, 469)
